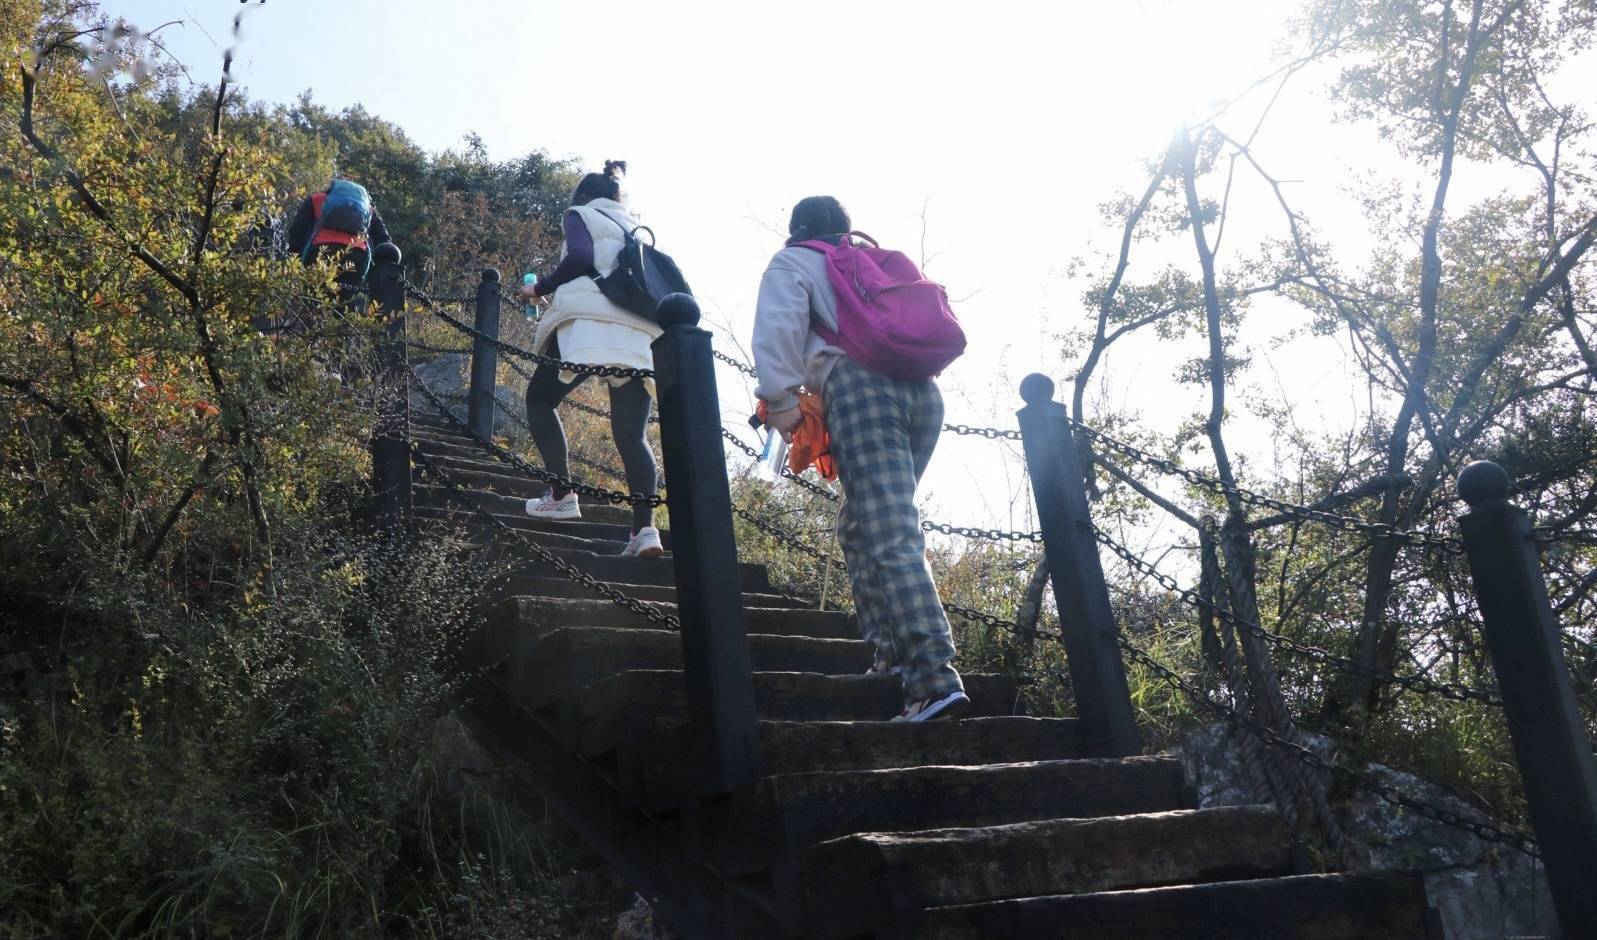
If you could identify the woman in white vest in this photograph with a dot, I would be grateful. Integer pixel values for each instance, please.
(582, 326)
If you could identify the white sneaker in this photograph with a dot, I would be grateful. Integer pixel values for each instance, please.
(550, 508)
(645, 544)
(950, 705)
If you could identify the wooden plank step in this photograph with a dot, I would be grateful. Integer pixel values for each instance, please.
(535, 613)
(880, 881)
(1299, 907)
(604, 715)
(602, 520)
(556, 665)
(653, 776)
(616, 568)
(788, 813)
(532, 586)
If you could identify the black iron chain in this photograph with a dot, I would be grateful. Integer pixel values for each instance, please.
(992, 434)
(1420, 684)
(1486, 831)
(787, 474)
(572, 572)
(509, 349)
(793, 540)
(742, 367)
(986, 535)
(537, 473)
(989, 433)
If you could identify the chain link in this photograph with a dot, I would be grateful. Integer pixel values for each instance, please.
(537, 473)
(742, 367)
(572, 572)
(787, 474)
(1486, 831)
(986, 535)
(1412, 683)
(992, 434)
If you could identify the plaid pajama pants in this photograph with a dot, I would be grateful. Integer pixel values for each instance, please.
(883, 433)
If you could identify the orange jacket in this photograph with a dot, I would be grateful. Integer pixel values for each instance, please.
(811, 444)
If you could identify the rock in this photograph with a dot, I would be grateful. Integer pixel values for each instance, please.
(639, 923)
(1482, 890)
(446, 377)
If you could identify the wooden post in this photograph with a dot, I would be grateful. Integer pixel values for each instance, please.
(1555, 756)
(391, 470)
(715, 647)
(1103, 700)
(480, 400)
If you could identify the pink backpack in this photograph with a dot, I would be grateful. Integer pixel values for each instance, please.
(890, 318)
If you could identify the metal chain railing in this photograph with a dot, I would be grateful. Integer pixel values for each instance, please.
(1486, 831)
(509, 349)
(984, 535)
(793, 540)
(1192, 598)
(537, 473)
(572, 572)
(992, 434)
(742, 367)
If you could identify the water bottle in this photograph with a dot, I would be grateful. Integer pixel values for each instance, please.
(773, 458)
(530, 309)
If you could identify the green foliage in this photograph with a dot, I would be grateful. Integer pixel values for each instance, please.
(219, 702)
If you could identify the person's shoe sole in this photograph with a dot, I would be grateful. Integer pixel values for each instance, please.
(945, 709)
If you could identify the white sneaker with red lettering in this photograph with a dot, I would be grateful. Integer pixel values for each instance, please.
(645, 544)
(557, 509)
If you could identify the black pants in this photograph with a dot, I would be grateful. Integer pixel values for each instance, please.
(630, 407)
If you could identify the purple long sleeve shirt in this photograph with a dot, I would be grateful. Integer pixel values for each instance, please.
(578, 260)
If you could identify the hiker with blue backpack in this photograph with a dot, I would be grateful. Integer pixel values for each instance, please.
(600, 300)
(859, 326)
(341, 222)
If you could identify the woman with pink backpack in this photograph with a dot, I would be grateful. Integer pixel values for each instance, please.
(860, 327)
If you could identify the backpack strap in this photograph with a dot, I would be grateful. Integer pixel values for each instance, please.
(626, 232)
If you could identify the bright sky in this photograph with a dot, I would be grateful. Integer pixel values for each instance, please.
(981, 137)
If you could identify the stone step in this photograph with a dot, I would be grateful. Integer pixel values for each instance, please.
(502, 479)
(525, 585)
(783, 815)
(618, 710)
(614, 520)
(564, 660)
(655, 571)
(528, 616)
(652, 774)
(867, 880)
(478, 530)
(1321, 907)
(610, 539)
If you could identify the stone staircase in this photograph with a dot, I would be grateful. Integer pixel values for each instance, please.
(996, 825)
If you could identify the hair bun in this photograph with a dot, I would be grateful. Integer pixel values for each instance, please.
(615, 169)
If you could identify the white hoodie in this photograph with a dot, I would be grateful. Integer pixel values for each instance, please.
(788, 353)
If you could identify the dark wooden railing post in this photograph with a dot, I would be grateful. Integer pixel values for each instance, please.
(715, 646)
(1097, 672)
(1555, 756)
(391, 442)
(480, 400)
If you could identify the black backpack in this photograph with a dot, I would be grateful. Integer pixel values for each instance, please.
(643, 275)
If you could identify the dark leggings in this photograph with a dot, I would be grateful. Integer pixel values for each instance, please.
(630, 407)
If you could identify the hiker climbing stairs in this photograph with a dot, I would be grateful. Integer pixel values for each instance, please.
(997, 825)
